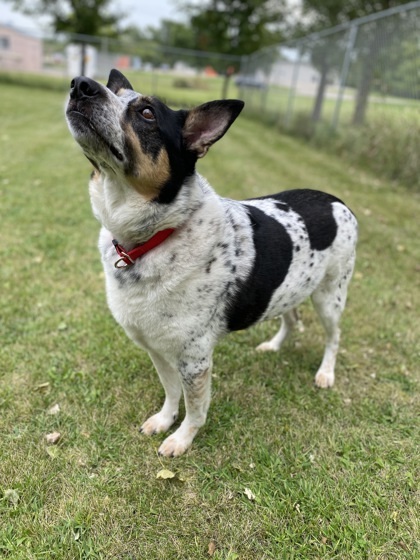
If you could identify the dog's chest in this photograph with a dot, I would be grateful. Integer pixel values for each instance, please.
(146, 298)
(179, 290)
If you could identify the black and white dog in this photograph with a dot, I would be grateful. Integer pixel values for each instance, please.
(184, 266)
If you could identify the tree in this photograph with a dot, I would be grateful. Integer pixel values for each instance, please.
(236, 27)
(79, 17)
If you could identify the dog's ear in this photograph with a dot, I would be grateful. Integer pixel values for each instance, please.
(117, 81)
(207, 123)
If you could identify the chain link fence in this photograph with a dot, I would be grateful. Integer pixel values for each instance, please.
(341, 74)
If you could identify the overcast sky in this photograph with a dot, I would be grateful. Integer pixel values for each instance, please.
(139, 12)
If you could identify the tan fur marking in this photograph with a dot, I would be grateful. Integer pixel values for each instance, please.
(149, 176)
(96, 175)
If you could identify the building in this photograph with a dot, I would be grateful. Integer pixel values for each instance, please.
(19, 51)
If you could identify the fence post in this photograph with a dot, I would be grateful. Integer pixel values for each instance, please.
(344, 74)
(292, 92)
(103, 58)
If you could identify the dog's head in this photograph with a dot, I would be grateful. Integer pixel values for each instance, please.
(141, 140)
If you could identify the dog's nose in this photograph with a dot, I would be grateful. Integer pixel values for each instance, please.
(83, 87)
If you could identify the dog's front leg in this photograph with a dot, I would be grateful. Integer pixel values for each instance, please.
(196, 382)
(169, 377)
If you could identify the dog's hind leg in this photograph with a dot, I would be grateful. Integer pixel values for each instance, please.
(196, 382)
(329, 300)
(288, 321)
(169, 377)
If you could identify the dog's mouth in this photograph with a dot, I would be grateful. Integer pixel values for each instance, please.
(81, 117)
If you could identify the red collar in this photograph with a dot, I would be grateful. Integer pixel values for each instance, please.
(128, 257)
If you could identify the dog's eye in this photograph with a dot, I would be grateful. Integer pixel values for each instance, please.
(147, 113)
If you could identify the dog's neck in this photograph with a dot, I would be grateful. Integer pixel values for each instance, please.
(133, 219)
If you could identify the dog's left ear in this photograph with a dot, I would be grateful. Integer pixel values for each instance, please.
(207, 123)
(117, 81)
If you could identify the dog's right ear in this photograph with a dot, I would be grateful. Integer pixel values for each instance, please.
(117, 81)
(207, 123)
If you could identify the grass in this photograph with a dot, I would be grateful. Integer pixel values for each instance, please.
(334, 474)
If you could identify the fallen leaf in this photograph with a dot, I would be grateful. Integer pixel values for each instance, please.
(76, 535)
(42, 386)
(53, 438)
(212, 548)
(248, 493)
(54, 410)
(53, 452)
(11, 496)
(62, 327)
(165, 474)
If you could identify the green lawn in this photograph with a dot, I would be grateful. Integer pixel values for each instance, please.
(331, 474)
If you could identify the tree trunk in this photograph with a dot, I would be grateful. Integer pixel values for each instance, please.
(320, 94)
(368, 66)
(225, 86)
(363, 91)
(82, 59)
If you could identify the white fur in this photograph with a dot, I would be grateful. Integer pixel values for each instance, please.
(169, 312)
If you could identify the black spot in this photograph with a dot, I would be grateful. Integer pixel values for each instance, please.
(127, 274)
(211, 261)
(297, 248)
(315, 208)
(274, 250)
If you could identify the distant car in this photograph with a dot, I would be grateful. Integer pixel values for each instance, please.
(250, 82)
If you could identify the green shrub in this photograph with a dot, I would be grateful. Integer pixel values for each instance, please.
(38, 81)
(387, 144)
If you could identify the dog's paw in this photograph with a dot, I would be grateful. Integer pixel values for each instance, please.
(266, 347)
(158, 423)
(324, 379)
(177, 443)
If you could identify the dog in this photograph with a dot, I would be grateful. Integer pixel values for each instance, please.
(184, 266)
